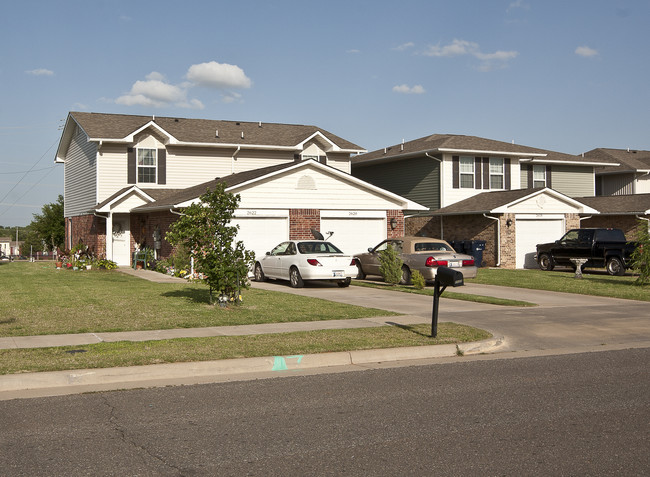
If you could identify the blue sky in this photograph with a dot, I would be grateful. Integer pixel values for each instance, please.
(563, 75)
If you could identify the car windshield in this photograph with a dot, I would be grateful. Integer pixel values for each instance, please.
(317, 247)
(432, 247)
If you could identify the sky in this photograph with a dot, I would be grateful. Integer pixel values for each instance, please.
(563, 75)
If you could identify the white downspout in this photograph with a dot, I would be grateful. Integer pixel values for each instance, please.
(498, 238)
(234, 157)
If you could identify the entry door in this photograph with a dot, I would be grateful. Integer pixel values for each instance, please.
(121, 240)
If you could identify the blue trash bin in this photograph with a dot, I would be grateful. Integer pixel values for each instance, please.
(475, 249)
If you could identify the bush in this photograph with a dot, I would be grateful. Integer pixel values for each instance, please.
(641, 255)
(390, 265)
(417, 279)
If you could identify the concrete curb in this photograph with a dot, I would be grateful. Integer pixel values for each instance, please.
(157, 374)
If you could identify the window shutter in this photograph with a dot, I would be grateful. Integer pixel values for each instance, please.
(162, 166)
(506, 173)
(486, 173)
(296, 157)
(477, 173)
(455, 172)
(131, 167)
(529, 175)
(548, 177)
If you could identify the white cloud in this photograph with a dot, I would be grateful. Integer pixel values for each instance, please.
(155, 92)
(586, 51)
(353, 51)
(518, 4)
(404, 46)
(40, 72)
(406, 89)
(218, 75)
(490, 61)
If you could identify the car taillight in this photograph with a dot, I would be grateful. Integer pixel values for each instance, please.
(314, 262)
(468, 263)
(432, 262)
(353, 263)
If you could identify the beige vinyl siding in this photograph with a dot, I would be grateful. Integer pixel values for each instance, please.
(417, 179)
(309, 188)
(574, 181)
(80, 176)
(339, 161)
(112, 170)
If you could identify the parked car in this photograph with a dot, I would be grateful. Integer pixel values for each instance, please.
(418, 253)
(298, 261)
(3, 257)
(599, 247)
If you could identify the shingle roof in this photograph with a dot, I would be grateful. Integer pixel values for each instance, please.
(630, 160)
(118, 126)
(485, 202)
(437, 142)
(635, 204)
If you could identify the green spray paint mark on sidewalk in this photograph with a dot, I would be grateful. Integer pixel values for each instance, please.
(280, 362)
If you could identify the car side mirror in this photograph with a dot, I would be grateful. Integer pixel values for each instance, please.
(268, 253)
(370, 249)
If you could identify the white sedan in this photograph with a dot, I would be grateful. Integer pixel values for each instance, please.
(297, 261)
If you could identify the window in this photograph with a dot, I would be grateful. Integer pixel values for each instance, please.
(147, 165)
(539, 176)
(466, 172)
(496, 173)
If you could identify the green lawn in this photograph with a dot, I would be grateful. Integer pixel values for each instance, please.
(37, 299)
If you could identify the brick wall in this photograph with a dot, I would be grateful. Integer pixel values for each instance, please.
(301, 221)
(627, 223)
(143, 227)
(90, 230)
(398, 231)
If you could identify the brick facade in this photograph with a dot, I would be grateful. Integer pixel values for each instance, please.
(629, 224)
(87, 229)
(301, 221)
(400, 226)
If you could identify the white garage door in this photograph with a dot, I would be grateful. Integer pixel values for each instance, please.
(261, 234)
(354, 235)
(530, 232)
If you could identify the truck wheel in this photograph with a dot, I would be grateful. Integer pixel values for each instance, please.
(615, 266)
(360, 273)
(406, 276)
(546, 262)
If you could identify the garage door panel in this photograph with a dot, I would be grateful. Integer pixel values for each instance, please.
(354, 235)
(261, 234)
(530, 232)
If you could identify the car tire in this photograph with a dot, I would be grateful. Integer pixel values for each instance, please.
(295, 279)
(259, 273)
(615, 266)
(361, 275)
(545, 262)
(344, 283)
(406, 276)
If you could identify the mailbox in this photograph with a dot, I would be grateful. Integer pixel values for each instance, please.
(448, 277)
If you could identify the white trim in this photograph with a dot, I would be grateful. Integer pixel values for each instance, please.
(497, 153)
(582, 208)
(352, 214)
(259, 213)
(576, 163)
(132, 190)
(539, 217)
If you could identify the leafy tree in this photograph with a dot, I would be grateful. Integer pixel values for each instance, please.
(49, 225)
(205, 230)
(641, 255)
(390, 265)
(31, 244)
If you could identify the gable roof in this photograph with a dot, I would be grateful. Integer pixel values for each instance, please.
(472, 145)
(631, 160)
(498, 201)
(121, 128)
(634, 204)
(183, 198)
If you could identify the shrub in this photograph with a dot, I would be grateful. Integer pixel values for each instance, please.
(417, 279)
(390, 265)
(641, 255)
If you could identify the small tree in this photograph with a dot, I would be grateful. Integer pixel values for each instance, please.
(49, 226)
(390, 265)
(641, 255)
(205, 230)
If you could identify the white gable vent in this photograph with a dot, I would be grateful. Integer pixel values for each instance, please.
(306, 183)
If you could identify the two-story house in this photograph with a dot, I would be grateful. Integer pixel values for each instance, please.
(126, 179)
(508, 195)
(632, 176)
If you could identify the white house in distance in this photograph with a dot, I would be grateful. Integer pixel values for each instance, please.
(131, 176)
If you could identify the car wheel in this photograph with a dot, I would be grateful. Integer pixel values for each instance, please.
(615, 266)
(344, 283)
(259, 273)
(546, 262)
(295, 279)
(406, 276)
(361, 275)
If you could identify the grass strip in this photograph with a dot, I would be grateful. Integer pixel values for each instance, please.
(125, 353)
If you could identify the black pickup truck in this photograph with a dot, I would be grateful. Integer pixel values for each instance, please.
(600, 247)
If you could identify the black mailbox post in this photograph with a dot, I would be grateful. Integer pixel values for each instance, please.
(445, 277)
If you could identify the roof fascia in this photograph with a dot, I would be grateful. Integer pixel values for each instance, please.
(66, 138)
(498, 153)
(335, 148)
(577, 163)
(130, 137)
(585, 208)
(134, 189)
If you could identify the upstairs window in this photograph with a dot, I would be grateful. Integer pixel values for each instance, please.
(496, 173)
(147, 166)
(466, 172)
(539, 175)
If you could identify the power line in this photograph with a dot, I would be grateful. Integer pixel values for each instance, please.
(26, 172)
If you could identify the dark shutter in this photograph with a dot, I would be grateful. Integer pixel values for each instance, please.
(322, 159)
(162, 166)
(296, 157)
(548, 177)
(506, 173)
(477, 173)
(529, 173)
(486, 173)
(131, 166)
(455, 171)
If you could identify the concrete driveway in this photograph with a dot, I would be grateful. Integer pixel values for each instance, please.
(560, 321)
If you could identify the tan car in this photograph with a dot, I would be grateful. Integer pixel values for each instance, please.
(418, 253)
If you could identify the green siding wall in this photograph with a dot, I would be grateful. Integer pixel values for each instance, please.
(417, 179)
